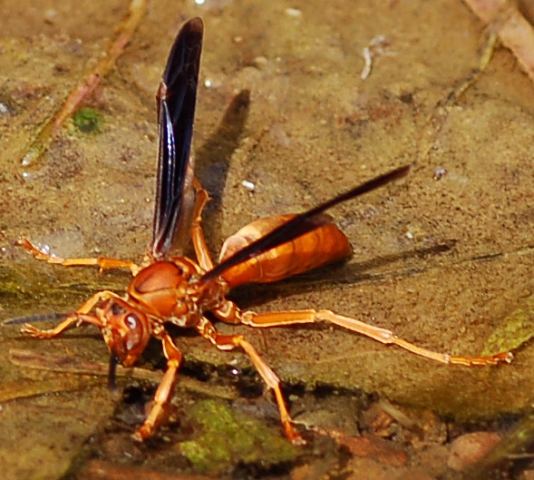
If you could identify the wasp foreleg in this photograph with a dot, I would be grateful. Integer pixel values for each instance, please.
(72, 320)
(163, 395)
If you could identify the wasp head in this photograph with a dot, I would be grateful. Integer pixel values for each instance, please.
(126, 330)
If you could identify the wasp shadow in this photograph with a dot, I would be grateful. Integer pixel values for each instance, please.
(213, 162)
(340, 273)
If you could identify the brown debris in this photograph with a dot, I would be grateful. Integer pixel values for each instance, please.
(98, 469)
(513, 29)
(374, 447)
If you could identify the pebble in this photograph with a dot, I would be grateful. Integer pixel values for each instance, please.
(470, 448)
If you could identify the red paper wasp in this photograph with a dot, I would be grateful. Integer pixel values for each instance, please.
(177, 290)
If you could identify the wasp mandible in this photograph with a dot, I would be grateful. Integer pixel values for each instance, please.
(191, 293)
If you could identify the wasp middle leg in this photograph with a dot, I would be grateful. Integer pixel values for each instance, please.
(382, 335)
(197, 233)
(230, 342)
(103, 263)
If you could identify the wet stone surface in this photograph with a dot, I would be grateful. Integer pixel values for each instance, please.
(443, 258)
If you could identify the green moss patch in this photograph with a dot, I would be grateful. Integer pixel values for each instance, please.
(228, 438)
(88, 120)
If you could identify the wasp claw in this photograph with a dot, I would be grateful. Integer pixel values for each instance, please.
(144, 432)
(29, 329)
(505, 357)
(298, 441)
(293, 436)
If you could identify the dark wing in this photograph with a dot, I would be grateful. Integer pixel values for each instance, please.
(301, 224)
(176, 110)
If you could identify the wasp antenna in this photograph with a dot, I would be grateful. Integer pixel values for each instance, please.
(112, 372)
(36, 318)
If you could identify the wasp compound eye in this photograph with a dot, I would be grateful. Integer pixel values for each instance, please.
(131, 321)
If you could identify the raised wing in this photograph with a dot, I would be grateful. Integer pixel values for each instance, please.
(176, 110)
(300, 224)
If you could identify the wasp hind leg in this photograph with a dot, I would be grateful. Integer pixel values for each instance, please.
(387, 337)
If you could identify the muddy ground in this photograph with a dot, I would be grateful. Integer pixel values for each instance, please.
(443, 258)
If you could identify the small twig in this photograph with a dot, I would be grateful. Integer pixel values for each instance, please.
(62, 364)
(368, 59)
(86, 87)
(438, 118)
(473, 76)
(513, 29)
(22, 388)
(377, 47)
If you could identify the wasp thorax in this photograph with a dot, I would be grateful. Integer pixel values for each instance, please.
(126, 330)
(163, 288)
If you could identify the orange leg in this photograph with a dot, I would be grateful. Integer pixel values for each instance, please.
(292, 317)
(162, 398)
(102, 263)
(228, 312)
(197, 233)
(73, 320)
(229, 342)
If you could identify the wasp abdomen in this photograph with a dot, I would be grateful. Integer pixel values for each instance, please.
(323, 245)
